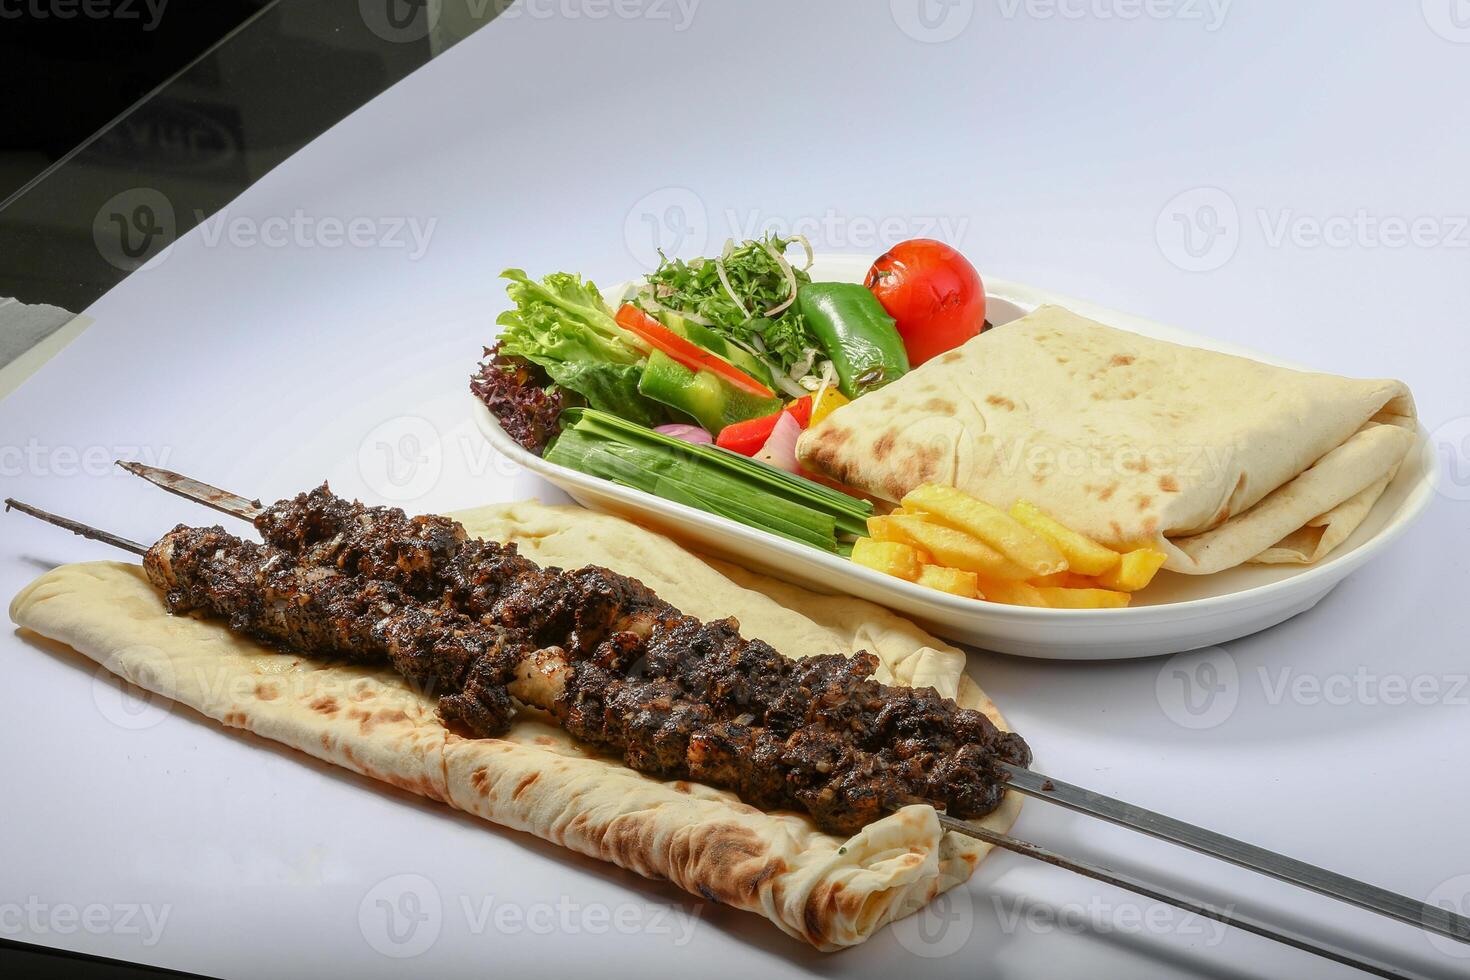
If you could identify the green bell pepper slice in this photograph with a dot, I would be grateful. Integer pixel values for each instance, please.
(857, 334)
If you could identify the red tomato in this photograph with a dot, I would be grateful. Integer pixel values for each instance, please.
(933, 292)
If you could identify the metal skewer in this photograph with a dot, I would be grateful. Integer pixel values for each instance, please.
(76, 527)
(1354, 892)
(1399, 907)
(1168, 896)
(1406, 910)
(191, 489)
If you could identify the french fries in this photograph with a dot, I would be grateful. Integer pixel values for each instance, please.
(1083, 598)
(956, 549)
(883, 528)
(995, 527)
(1064, 580)
(951, 580)
(1135, 570)
(946, 540)
(888, 557)
(1011, 593)
(1084, 555)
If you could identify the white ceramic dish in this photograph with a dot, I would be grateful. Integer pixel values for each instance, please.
(1177, 612)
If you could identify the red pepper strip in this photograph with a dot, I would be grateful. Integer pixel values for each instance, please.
(633, 319)
(747, 438)
(801, 410)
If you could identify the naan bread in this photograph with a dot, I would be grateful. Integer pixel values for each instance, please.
(823, 889)
(1214, 459)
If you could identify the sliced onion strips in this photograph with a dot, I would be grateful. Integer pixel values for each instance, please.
(803, 367)
(806, 244)
(650, 302)
(780, 448)
(785, 271)
(792, 388)
(725, 277)
(819, 385)
(757, 350)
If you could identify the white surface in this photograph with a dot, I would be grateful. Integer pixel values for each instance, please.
(1178, 612)
(1059, 141)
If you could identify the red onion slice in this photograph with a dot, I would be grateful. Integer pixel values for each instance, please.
(688, 433)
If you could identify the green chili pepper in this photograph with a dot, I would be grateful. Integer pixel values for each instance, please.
(858, 334)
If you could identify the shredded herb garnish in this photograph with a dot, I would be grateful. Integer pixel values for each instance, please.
(760, 283)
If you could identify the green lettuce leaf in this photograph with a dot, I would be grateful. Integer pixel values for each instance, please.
(611, 388)
(562, 318)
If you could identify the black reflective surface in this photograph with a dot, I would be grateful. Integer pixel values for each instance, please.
(185, 150)
(77, 66)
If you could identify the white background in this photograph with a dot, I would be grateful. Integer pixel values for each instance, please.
(1052, 144)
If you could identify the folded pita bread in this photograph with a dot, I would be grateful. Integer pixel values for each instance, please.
(1217, 460)
(823, 889)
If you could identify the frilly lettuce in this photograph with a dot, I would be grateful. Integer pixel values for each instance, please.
(563, 325)
(562, 318)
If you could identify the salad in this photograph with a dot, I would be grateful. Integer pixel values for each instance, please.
(697, 386)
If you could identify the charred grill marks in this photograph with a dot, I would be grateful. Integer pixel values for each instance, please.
(618, 667)
(268, 594)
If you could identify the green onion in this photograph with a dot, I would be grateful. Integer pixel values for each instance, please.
(708, 478)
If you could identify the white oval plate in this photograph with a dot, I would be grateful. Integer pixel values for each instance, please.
(1176, 612)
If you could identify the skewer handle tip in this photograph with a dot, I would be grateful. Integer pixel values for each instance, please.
(76, 527)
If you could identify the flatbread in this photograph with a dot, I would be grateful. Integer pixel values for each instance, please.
(825, 890)
(1322, 534)
(1214, 459)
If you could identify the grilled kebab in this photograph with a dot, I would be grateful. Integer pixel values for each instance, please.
(615, 665)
